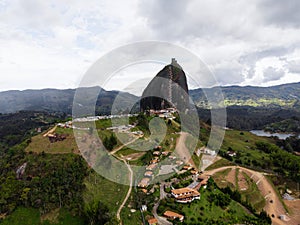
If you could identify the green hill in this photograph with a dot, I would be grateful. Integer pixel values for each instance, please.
(285, 95)
(55, 100)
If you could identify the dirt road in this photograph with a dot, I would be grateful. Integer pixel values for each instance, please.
(122, 146)
(50, 131)
(130, 177)
(273, 204)
(182, 151)
(129, 189)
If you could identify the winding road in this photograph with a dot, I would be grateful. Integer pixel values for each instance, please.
(273, 207)
(128, 192)
(161, 220)
(122, 146)
(273, 204)
(130, 177)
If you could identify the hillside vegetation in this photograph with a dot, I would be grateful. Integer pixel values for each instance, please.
(285, 95)
(55, 100)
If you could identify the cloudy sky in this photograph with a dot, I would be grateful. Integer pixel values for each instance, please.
(53, 43)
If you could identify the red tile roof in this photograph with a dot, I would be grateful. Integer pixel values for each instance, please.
(171, 214)
(185, 191)
(152, 221)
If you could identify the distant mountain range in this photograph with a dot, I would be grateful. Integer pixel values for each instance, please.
(285, 95)
(55, 100)
(280, 96)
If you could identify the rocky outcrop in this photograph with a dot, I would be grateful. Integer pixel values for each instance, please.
(167, 89)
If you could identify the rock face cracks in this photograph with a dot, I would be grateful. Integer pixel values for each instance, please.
(168, 89)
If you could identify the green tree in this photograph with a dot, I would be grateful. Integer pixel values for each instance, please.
(97, 213)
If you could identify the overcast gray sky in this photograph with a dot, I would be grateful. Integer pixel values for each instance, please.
(52, 43)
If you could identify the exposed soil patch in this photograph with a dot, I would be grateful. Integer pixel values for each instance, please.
(295, 210)
(231, 177)
(242, 182)
(182, 151)
(273, 204)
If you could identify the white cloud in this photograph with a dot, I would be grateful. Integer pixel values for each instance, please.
(52, 43)
(272, 74)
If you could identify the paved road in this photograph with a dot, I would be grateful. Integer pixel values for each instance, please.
(163, 194)
(161, 220)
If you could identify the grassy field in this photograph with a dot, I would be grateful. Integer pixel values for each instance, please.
(241, 140)
(42, 144)
(129, 217)
(243, 143)
(220, 163)
(131, 214)
(201, 211)
(28, 216)
(196, 160)
(220, 179)
(100, 189)
(126, 151)
(253, 195)
(31, 216)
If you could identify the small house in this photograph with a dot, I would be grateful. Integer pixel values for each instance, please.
(173, 215)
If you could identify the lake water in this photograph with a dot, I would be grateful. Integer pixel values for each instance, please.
(281, 136)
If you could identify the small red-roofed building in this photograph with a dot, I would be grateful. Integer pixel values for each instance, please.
(194, 172)
(148, 174)
(152, 221)
(172, 157)
(173, 215)
(144, 182)
(154, 161)
(165, 153)
(144, 190)
(151, 167)
(156, 153)
(187, 167)
(179, 163)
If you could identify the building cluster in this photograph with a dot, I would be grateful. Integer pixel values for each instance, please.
(125, 129)
(95, 118)
(119, 129)
(149, 174)
(181, 195)
(68, 124)
(185, 195)
(164, 113)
